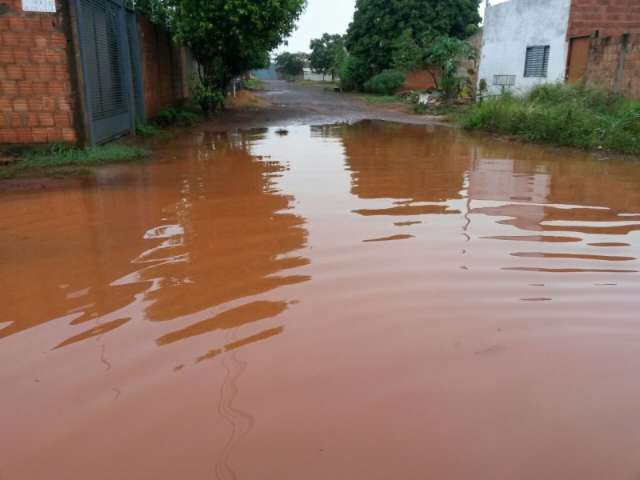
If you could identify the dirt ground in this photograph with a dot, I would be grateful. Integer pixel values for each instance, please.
(284, 103)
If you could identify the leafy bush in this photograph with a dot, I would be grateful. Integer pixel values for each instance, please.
(354, 73)
(181, 117)
(385, 83)
(166, 117)
(563, 115)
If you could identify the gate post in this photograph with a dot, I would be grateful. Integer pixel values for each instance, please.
(77, 74)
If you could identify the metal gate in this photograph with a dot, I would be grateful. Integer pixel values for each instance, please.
(110, 56)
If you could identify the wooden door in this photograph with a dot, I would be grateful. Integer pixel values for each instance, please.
(578, 59)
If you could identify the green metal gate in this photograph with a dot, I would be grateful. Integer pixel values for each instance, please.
(110, 63)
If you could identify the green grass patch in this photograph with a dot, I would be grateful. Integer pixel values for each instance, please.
(318, 83)
(383, 98)
(57, 159)
(563, 115)
(150, 130)
(254, 85)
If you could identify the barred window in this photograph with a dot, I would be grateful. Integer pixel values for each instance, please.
(537, 61)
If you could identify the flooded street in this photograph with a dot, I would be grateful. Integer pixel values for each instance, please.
(373, 301)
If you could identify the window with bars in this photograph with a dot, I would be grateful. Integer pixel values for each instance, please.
(537, 61)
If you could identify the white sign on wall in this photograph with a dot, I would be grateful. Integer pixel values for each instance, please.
(44, 6)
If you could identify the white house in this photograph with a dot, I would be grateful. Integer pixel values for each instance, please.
(524, 44)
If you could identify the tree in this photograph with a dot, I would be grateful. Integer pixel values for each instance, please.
(377, 23)
(406, 54)
(229, 37)
(290, 64)
(445, 53)
(324, 54)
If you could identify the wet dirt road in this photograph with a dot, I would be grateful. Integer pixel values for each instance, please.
(294, 104)
(348, 302)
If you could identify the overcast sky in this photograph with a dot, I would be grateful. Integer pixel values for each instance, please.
(330, 16)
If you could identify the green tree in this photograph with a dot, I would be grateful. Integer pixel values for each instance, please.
(324, 54)
(445, 53)
(290, 64)
(376, 24)
(406, 54)
(229, 37)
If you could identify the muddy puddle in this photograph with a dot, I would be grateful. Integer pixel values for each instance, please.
(367, 302)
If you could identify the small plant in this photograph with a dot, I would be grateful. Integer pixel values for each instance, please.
(254, 85)
(166, 117)
(385, 83)
(209, 98)
(181, 117)
(149, 130)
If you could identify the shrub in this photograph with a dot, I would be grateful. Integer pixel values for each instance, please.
(563, 115)
(181, 117)
(354, 73)
(385, 83)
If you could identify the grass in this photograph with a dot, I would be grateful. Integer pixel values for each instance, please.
(56, 159)
(317, 83)
(254, 85)
(383, 98)
(150, 130)
(563, 115)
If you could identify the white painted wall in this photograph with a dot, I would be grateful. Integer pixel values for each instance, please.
(511, 27)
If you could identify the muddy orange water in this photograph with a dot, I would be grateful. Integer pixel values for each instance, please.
(378, 301)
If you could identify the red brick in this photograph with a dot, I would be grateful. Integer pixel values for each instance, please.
(17, 23)
(39, 135)
(49, 104)
(14, 72)
(5, 105)
(46, 119)
(20, 105)
(54, 134)
(69, 135)
(17, 119)
(8, 88)
(6, 55)
(8, 135)
(24, 135)
(33, 120)
(62, 120)
(38, 56)
(40, 88)
(25, 88)
(41, 41)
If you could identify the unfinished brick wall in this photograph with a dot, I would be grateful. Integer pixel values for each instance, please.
(36, 100)
(609, 17)
(614, 64)
(163, 68)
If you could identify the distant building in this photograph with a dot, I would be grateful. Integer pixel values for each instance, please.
(529, 42)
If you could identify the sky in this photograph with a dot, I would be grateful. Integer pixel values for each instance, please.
(326, 16)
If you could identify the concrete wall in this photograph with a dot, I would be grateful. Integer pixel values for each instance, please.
(36, 99)
(609, 17)
(511, 27)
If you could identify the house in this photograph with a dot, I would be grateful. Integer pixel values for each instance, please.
(529, 42)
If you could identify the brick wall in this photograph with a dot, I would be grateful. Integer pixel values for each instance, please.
(614, 64)
(609, 17)
(36, 101)
(163, 68)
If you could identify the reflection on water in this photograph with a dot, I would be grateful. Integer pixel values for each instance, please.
(256, 303)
